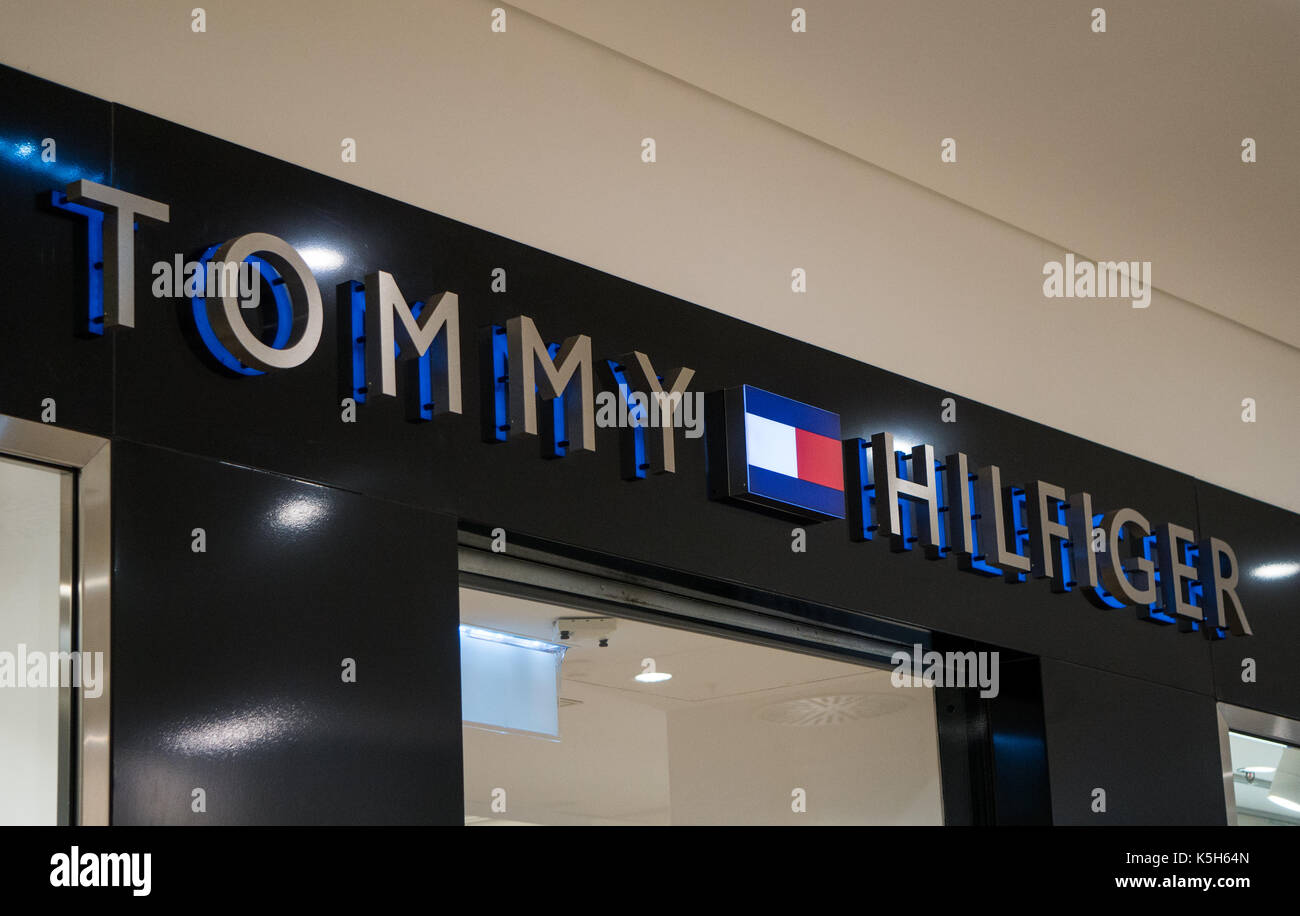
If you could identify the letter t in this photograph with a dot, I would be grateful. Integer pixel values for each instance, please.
(120, 212)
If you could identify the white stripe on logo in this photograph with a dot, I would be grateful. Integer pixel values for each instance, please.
(770, 445)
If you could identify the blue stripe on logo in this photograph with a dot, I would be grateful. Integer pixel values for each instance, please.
(792, 413)
(795, 492)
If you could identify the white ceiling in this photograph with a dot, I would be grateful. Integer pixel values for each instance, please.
(1117, 145)
(704, 668)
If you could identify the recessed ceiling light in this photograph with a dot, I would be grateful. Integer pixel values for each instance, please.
(512, 639)
(653, 677)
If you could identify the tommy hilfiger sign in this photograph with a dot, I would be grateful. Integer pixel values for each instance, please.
(764, 451)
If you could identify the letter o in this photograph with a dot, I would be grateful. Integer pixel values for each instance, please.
(227, 318)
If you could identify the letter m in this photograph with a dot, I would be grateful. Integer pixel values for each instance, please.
(431, 343)
(1112, 279)
(116, 868)
(575, 425)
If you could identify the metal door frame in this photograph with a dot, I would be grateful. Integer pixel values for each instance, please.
(1247, 721)
(86, 609)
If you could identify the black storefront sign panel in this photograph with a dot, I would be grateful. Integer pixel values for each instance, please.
(291, 421)
(43, 254)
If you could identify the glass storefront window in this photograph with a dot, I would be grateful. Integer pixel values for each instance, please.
(1265, 780)
(657, 725)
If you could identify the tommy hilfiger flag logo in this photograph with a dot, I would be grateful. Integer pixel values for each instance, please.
(775, 453)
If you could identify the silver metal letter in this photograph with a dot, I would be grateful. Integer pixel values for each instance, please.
(920, 489)
(1219, 590)
(642, 379)
(995, 502)
(1174, 572)
(527, 351)
(1083, 560)
(120, 213)
(1129, 580)
(1045, 531)
(441, 316)
(228, 320)
(957, 476)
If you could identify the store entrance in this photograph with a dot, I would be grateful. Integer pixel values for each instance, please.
(595, 693)
(581, 718)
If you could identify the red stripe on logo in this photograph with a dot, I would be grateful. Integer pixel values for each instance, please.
(820, 459)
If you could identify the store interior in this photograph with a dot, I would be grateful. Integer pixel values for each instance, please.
(737, 734)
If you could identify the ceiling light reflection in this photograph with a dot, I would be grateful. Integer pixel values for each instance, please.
(300, 513)
(240, 732)
(321, 258)
(1275, 570)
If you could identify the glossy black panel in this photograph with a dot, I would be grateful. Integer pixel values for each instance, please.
(43, 254)
(290, 421)
(1153, 749)
(668, 520)
(227, 664)
(1267, 542)
(172, 392)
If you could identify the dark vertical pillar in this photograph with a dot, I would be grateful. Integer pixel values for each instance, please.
(1021, 784)
(991, 749)
(228, 664)
(1153, 750)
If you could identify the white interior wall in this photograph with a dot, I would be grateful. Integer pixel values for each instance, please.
(731, 763)
(30, 500)
(535, 134)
